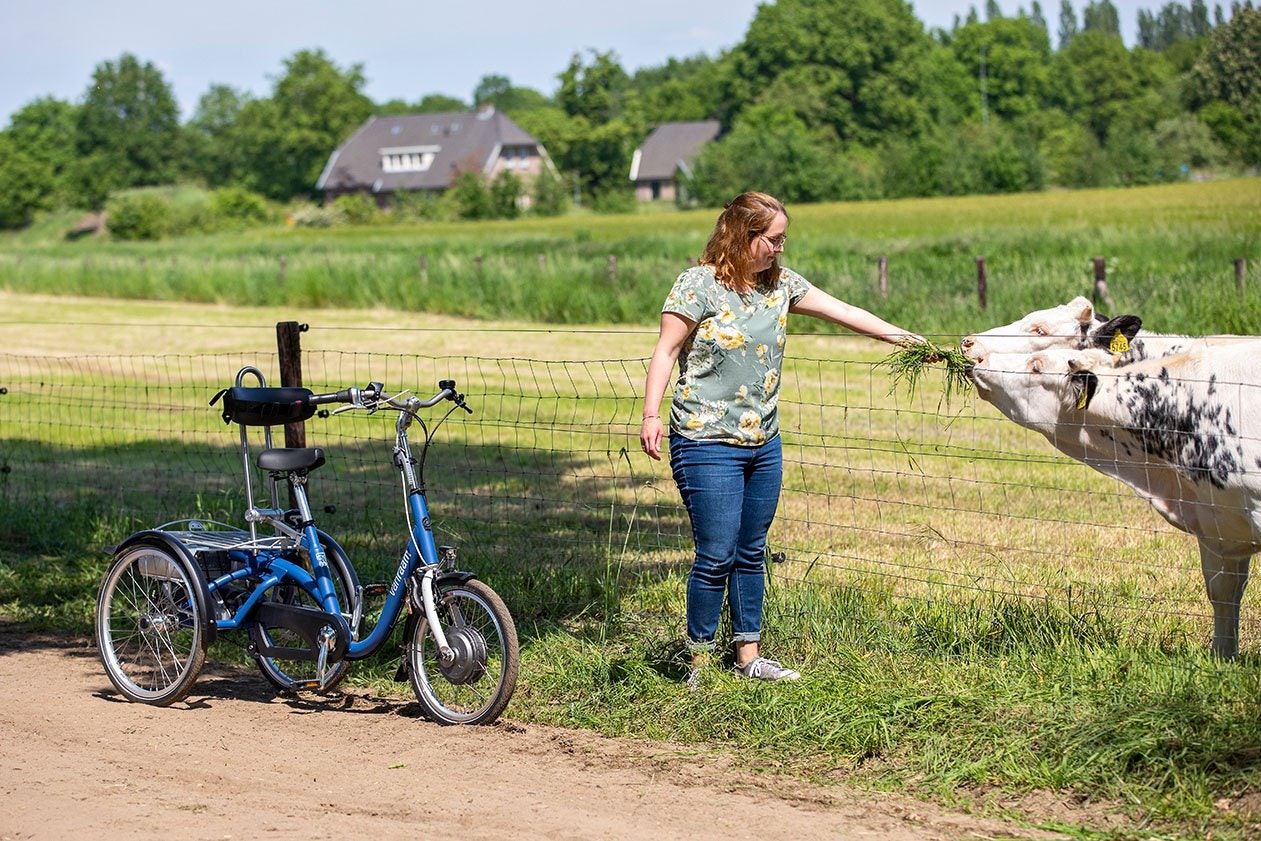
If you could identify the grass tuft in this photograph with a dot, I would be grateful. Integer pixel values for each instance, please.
(906, 365)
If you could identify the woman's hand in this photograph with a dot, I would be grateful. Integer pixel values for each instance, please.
(650, 435)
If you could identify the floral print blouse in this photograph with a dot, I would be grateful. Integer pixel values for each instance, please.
(729, 368)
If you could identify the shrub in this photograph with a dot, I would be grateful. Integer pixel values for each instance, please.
(314, 216)
(551, 197)
(357, 209)
(240, 206)
(141, 215)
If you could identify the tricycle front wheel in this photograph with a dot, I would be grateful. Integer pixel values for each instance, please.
(475, 684)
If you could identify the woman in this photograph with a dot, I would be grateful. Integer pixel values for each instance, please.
(724, 322)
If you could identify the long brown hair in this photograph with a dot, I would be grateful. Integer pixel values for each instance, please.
(727, 252)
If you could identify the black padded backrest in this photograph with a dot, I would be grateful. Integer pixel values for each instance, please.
(266, 406)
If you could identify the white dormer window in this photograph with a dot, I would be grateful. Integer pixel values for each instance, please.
(408, 158)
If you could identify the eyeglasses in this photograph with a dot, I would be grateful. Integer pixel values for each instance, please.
(775, 242)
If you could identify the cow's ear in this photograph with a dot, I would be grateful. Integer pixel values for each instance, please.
(1085, 310)
(1115, 334)
(1083, 384)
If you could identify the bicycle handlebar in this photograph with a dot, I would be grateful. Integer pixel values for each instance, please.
(373, 395)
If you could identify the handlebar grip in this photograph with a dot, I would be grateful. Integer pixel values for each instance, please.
(355, 396)
(346, 395)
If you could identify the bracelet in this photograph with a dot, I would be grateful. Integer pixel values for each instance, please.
(646, 417)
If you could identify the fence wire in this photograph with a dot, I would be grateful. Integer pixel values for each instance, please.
(887, 494)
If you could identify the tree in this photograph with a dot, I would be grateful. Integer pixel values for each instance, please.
(1224, 87)
(868, 60)
(597, 135)
(1097, 81)
(129, 122)
(1017, 60)
(1068, 23)
(1037, 18)
(43, 131)
(680, 89)
(313, 108)
(1227, 69)
(501, 93)
(212, 150)
(25, 184)
(595, 91)
(1102, 17)
(771, 149)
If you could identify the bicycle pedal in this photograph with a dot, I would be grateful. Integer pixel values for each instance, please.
(375, 590)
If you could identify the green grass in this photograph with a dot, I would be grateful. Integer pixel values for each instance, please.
(967, 632)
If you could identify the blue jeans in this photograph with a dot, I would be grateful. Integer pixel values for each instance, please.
(730, 493)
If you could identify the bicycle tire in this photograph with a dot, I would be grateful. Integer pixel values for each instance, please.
(149, 625)
(294, 676)
(477, 685)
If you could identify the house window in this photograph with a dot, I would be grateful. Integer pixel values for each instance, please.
(408, 159)
(518, 158)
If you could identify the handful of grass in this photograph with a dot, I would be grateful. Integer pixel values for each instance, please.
(907, 365)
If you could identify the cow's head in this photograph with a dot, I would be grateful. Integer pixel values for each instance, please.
(1041, 390)
(1074, 326)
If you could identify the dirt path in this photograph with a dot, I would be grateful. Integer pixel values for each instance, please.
(235, 762)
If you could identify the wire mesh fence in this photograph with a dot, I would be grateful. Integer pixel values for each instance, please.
(888, 494)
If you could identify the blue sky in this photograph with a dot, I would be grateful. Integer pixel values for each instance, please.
(407, 49)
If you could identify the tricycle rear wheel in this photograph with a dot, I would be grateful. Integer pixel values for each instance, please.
(149, 625)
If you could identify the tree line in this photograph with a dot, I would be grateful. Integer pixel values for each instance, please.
(821, 100)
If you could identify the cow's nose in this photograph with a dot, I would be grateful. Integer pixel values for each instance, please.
(967, 342)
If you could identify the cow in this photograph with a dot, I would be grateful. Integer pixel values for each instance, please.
(1183, 431)
(1077, 325)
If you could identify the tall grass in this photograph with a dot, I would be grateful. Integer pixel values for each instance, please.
(1160, 242)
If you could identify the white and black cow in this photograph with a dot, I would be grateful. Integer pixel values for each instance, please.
(1076, 325)
(1184, 431)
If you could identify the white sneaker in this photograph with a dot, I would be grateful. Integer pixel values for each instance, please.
(760, 668)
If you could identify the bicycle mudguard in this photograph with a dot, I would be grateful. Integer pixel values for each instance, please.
(185, 557)
(265, 406)
(454, 576)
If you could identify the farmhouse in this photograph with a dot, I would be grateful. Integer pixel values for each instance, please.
(660, 166)
(428, 152)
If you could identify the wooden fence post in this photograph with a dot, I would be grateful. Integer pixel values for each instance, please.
(284, 268)
(1101, 283)
(982, 283)
(422, 265)
(289, 346)
(883, 266)
(1241, 270)
(613, 267)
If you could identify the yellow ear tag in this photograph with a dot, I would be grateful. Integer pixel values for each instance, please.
(1119, 344)
(1082, 398)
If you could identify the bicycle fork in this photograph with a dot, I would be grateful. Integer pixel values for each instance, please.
(429, 606)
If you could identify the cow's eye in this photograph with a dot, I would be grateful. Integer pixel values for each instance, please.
(1035, 366)
(1039, 330)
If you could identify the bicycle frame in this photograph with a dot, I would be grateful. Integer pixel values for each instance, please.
(266, 560)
